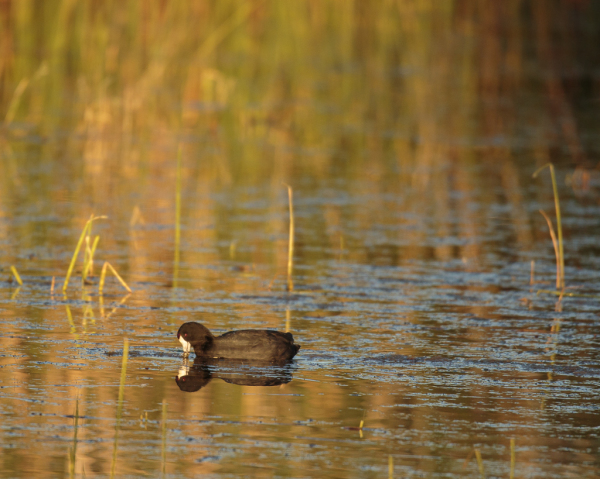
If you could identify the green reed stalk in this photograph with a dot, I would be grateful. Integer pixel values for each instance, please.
(120, 404)
(16, 275)
(290, 283)
(561, 257)
(177, 220)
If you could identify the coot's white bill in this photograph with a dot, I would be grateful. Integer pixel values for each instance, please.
(187, 346)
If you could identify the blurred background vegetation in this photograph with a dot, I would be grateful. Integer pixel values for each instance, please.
(403, 95)
(261, 84)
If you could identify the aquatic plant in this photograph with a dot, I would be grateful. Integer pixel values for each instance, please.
(88, 261)
(480, 463)
(512, 458)
(113, 271)
(89, 253)
(16, 275)
(290, 265)
(164, 437)
(558, 243)
(177, 220)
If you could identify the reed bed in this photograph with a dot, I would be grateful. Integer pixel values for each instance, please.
(262, 80)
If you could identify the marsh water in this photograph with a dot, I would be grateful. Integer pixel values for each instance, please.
(432, 343)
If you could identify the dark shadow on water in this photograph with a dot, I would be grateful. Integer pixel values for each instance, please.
(193, 377)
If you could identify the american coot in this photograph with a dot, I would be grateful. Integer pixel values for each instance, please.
(255, 344)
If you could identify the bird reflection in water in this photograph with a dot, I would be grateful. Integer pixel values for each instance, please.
(193, 377)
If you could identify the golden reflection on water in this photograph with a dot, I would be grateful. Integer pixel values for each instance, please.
(408, 131)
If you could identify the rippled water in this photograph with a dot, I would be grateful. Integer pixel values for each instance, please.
(437, 343)
(408, 133)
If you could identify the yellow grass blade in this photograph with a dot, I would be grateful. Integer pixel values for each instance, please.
(86, 229)
(16, 275)
(290, 283)
(103, 275)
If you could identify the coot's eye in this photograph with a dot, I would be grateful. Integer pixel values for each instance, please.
(185, 334)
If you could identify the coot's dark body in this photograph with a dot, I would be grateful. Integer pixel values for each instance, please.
(254, 344)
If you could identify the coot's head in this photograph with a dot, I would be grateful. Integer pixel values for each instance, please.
(194, 336)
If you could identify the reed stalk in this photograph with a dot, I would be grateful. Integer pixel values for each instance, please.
(512, 458)
(88, 261)
(290, 266)
(16, 275)
(480, 463)
(560, 257)
(532, 273)
(113, 271)
(18, 93)
(86, 230)
(164, 437)
(390, 467)
(556, 250)
(177, 220)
